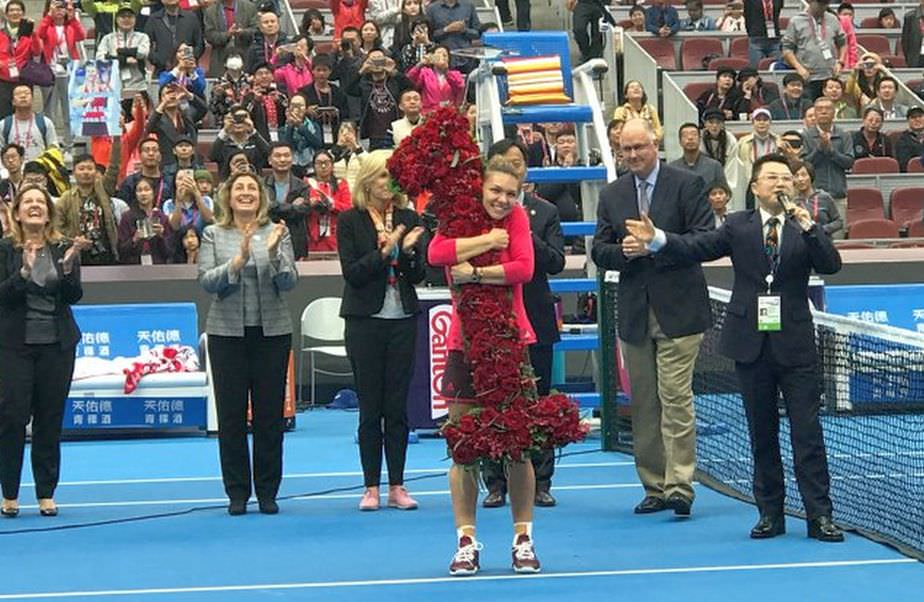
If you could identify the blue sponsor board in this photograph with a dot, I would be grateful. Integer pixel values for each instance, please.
(134, 412)
(899, 305)
(110, 331)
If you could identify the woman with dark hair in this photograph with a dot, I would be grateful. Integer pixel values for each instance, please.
(418, 45)
(328, 197)
(864, 79)
(411, 13)
(724, 96)
(144, 230)
(19, 44)
(247, 263)
(887, 19)
(60, 32)
(39, 281)
(439, 85)
(186, 243)
(386, 14)
(817, 202)
(370, 37)
(185, 72)
(636, 22)
(636, 106)
(314, 25)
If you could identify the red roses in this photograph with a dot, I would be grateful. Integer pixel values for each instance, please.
(441, 157)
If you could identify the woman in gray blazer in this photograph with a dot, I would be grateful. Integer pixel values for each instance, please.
(247, 263)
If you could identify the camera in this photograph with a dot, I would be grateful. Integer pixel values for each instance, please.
(239, 117)
(378, 62)
(186, 53)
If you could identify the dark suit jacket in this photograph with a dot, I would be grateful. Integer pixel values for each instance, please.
(549, 251)
(911, 37)
(13, 297)
(364, 270)
(293, 215)
(675, 288)
(742, 238)
(163, 41)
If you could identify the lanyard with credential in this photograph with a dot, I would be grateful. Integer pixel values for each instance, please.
(824, 31)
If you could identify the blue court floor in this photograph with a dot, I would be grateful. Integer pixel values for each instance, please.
(321, 548)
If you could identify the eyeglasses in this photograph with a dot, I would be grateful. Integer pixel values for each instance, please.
(773, 178)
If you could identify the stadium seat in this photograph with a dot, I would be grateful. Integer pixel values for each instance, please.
(324, 47)
(306, 4)
(916, 230)
(739, 48)
(907, 244)
(863, 204)
(694, 89)
(765, 63)
(869, 23)
(895, 61)
(874, 42)
(874, 165)
(731, 62)
(784, 23)
(694, 50)
(873, 228)
(914, 165)
(854, 245)
(662, 51)
(907, 206)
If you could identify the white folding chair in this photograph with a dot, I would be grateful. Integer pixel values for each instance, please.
(321, 321)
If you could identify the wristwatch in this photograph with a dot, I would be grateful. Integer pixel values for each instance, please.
(476, 275)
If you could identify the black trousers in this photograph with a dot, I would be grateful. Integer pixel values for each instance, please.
(523, 22)
(34, 382)
(586, 17)
(761, 383)
(250, 367)
(382, 356)
(540, 356)
(6, 99)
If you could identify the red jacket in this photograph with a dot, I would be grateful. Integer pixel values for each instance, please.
(347, 16)
(73, 32)
(23, 51)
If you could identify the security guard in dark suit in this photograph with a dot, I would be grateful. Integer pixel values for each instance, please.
(549, 250)
(769, 333)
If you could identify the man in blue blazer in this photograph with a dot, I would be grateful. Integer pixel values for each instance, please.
(663, 311)
(769, 333)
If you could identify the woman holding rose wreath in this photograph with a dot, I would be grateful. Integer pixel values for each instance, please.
(484, 240)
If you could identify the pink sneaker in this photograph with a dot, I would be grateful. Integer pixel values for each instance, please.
(370, 500)
(398, 498)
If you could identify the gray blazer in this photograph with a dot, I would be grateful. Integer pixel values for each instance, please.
(226, 315)
(216, 33)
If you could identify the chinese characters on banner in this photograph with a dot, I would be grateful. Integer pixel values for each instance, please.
(95, 90)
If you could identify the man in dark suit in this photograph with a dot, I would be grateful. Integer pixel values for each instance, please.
(167, 29)
(549, 252)
(769, 333)
(288, 197)
(663, 311)
(912, 40)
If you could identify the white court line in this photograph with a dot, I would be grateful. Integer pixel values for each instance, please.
(455, 580)
(301, 475)
(303, 498)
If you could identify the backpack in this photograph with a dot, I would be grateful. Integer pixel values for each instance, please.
(59, 176)
(40, 123)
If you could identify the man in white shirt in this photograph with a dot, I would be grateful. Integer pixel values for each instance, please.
(409, 103)
(34, 132)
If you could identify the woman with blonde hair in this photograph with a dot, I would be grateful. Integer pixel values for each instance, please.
(247, 262)
(381, 259)
(39, 281)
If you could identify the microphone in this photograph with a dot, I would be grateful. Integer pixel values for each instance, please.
(788, 206)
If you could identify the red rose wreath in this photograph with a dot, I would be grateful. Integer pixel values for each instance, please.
(441, 158)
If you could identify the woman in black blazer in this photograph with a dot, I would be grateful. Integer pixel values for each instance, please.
(39, 281)
(381, 260)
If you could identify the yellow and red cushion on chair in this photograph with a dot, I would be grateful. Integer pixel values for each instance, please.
(535, 80)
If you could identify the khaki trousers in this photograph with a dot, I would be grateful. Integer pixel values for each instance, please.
(663, 420)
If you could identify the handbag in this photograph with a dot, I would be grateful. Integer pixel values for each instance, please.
(37, 74)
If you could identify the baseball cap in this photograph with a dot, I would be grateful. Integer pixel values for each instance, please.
(761, 111)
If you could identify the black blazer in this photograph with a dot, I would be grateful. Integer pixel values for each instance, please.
(549, 252)
(13, 297)
(911, 37)
(364, 270)
(675, 287)
(742, 238)
(165, 41)
(293, 215)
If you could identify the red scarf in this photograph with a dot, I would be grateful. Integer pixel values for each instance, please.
(269, 106)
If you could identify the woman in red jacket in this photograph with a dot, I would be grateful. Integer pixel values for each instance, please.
(18, 44)
(59, 31)
(328, 197)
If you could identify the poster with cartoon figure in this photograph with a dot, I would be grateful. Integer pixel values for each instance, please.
(95, 89)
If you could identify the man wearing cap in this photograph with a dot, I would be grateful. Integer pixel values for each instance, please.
(912, 39)
(830, 151)
(711, 171)
(148, 168)
(792, 104)
(723, 97)
(105, 13)
(185, 157)
(869, 141)
(760, 142)
(911, 142)
(131, 48)
(762, 21)
(815, 46)
(721, 145)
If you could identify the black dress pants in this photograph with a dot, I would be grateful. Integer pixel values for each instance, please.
(34, 382)
(761, 383)
(540, 356)
(586, 17)
(382, 356)
(250, 367)
(6, 99)
(523, 21)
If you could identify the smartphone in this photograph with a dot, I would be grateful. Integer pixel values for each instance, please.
(239, 117)
(187, 53)
(379, 62)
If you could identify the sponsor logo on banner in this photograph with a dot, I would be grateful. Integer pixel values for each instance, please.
(438, 322)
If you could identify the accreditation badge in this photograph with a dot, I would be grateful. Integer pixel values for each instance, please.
(769, 314)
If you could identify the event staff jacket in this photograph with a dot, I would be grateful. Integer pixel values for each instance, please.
(20, 50)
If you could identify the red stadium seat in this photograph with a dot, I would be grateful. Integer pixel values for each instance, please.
(895, 61)
(874, 42)
(694, 89)
(863, 204)
(784, 23)
(869, 23)
(907, 206)
(868, 165)
(662, 51)
(731, 62)
(306, 4)
(854, 245)
(765, 63)
(914, 165)
(739, 48)
(694, 50)
(907, 244)
(873, 228)
(916, 230)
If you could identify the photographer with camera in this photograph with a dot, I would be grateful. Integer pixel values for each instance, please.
(228, 38)
(439, 85)
(230, 89)
(295, 74)
(302, 133)
(131, 48)
(189, 76)
(170, 121)
(170, 27)
(18, 46)
(238, 135)
(266, 103)
(379, 88)
(327, 105)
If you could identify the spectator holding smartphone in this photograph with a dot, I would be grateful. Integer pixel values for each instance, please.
(439, 85)
(302, 134)
(379, 89)
(170, 27)
(230, 89)
(322, 94)
(238, 135)
(296, 74)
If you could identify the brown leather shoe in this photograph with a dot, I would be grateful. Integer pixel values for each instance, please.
(494, 499)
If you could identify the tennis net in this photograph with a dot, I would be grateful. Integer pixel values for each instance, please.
(872, 379)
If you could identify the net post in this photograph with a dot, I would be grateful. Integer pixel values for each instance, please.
(609, 432)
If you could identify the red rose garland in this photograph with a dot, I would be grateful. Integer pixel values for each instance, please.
(440, 157)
